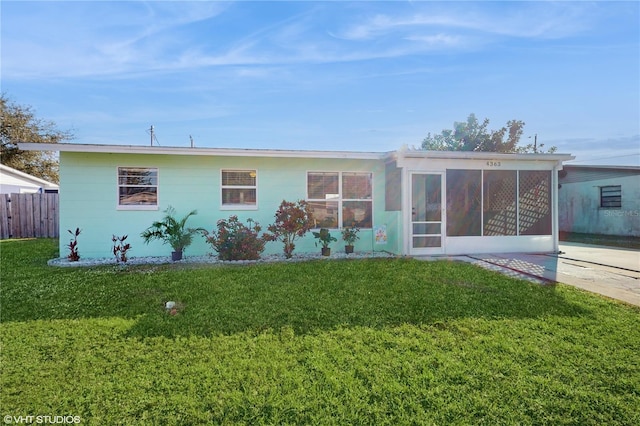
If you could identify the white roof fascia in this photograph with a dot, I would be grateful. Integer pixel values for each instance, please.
(227, 152)
(482, 155)
(605, 167)
(235, 152)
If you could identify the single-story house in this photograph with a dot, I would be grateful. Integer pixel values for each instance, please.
(600, 200)
(409, 202)
(14, 181)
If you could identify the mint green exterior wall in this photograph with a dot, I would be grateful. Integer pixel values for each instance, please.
(89, 191)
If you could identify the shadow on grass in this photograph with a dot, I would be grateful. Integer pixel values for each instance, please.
(308, 297)
(317, 296)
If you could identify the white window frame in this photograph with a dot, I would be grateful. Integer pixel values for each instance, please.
(238, 206)
(138, 206)
(340, 200)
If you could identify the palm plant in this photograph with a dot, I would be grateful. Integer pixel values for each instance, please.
(172, 231)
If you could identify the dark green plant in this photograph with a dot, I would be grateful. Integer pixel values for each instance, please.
(172, 231)
(350, 235)
(235, 241)
(324, 237)
(120, 249)
(73, 256)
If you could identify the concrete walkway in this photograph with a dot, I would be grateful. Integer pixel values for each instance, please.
(608, 271)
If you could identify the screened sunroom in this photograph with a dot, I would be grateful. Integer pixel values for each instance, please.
(477, 202)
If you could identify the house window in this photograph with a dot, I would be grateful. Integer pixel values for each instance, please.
(137, 188)
(611, 196)
(239, 189)
(340, 198)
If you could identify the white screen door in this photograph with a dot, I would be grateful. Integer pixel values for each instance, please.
(426, 213)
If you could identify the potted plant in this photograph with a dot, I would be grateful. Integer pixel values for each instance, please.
(172, 231)
(325, 238)
(350, 235)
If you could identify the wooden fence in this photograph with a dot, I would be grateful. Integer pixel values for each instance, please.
(29, 216)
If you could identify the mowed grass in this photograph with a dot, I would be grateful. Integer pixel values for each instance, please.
(380, 341)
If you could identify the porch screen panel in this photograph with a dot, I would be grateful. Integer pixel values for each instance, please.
(499, 190)
(464, 203)
(535, 202)
(426, 198)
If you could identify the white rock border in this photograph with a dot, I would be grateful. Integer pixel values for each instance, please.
(212, 259)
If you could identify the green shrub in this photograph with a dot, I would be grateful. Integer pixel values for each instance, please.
(235, 241)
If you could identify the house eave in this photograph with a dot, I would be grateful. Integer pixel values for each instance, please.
(278, 153)
(476, 155)
(223, 152)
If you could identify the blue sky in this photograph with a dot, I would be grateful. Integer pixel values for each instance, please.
(366, 76)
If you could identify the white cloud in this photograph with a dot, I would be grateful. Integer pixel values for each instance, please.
(529, 20)
(87, 39)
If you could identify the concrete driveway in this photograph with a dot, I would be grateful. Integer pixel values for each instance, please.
(608, 271)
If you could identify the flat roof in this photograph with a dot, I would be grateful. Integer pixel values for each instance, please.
(598, 167)
(482, 155)
(174, 150)
(238, 152)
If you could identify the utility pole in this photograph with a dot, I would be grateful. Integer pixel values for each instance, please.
(535, 143)
(151, 132)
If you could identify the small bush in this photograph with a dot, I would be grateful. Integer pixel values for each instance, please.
(293, 220)
(73, 256)
(120, 249)
(235, 241)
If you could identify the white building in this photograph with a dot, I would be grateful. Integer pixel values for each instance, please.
(600, 200)
(14, 181)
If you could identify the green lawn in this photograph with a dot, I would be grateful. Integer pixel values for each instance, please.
(380, 341)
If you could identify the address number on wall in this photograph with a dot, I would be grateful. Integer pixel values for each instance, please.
(493, 163)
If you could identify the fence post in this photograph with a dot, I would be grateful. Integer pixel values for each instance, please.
(5, 216)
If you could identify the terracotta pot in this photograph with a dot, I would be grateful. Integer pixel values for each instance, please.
(326, 251)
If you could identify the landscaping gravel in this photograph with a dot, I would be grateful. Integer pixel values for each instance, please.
(213, 259)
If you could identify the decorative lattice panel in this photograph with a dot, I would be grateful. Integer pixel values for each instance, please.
(500, 203)
(535, 202)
